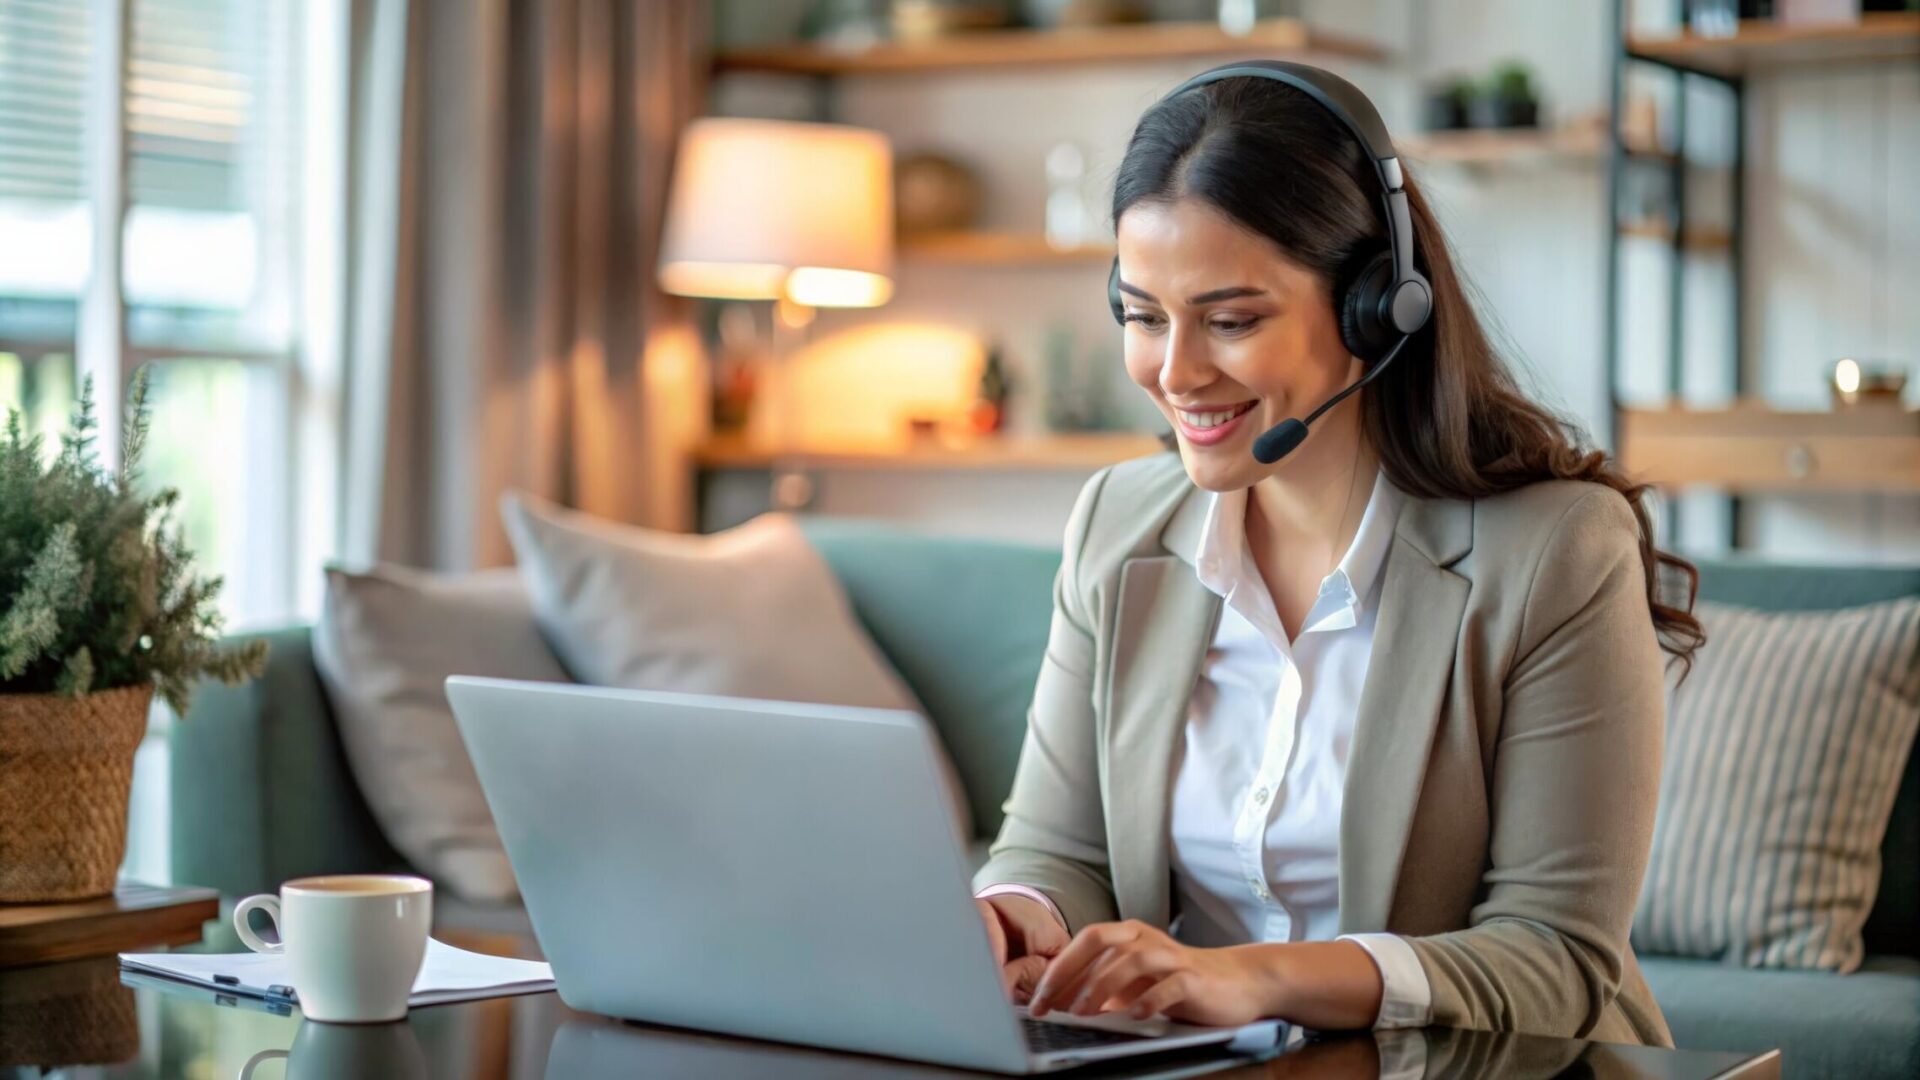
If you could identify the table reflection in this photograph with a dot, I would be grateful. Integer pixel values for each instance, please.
(87, 1014)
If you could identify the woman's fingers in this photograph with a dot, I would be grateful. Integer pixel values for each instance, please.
(1163, 995)
(1122, 1001)
(1021, 976)
(1119, 970)
(1065, 972)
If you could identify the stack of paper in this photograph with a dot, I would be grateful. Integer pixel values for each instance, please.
(447, 974)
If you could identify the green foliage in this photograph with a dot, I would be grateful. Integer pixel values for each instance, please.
(97, 589)
(1511, 80)
(1461, 89)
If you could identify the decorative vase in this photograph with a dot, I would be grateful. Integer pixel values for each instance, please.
(66, 767)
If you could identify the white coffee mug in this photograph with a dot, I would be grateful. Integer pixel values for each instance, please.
(354, 942)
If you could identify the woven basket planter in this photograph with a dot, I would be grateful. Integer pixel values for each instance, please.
(66, 765)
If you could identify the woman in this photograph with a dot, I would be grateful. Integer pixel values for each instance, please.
(1367, 737)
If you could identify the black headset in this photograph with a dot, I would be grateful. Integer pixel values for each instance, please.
(1385, 301)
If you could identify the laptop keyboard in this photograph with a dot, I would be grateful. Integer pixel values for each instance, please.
(1045, 1038)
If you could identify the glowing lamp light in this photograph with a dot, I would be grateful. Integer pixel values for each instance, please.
(766, 209)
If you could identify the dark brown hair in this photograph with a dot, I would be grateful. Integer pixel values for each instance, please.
(1448, 420)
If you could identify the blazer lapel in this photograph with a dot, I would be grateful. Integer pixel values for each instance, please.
(1164, 622)
(1416, 632)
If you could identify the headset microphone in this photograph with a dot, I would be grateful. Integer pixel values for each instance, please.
(1279, 440)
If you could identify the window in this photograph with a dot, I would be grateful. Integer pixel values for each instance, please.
(187, 140)
(174, 130)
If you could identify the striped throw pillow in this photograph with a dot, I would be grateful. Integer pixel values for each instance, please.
(1784, 752)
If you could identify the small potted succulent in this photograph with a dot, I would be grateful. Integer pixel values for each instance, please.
(99, 611)
(1447, 104)
(1507, 99)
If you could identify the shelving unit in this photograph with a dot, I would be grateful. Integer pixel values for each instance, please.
(992, 50)
(1764, 45)
(1502, 147)
(987, 52)
(1749, 447)
(1697, 238)
(1068, 45)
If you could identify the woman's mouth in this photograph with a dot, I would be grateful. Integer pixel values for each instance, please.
(1209, 426)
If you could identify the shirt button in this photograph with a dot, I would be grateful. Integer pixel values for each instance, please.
(1260, 796)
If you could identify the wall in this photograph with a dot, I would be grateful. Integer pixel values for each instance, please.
(1837, 230)
(1832, 237)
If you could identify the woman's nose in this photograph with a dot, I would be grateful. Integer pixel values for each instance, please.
(1184, 367)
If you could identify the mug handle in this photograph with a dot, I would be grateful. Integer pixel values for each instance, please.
(254, 1062)
(268, 903)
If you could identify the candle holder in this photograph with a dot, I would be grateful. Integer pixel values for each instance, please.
(1855, 383)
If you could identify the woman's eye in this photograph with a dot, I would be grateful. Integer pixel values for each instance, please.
(1147, 322)
(1234, 327)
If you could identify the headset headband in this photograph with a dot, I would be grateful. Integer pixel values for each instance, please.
(1349, 106)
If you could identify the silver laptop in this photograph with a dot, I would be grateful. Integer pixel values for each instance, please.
(765, 869)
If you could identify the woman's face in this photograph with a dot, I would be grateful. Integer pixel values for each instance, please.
(1227, 335)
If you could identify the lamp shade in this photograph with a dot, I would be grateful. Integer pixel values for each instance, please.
(765, 208)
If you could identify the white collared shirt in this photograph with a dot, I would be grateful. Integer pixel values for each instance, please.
(1260, 774)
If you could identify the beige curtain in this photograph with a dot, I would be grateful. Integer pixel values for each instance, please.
(510, 162)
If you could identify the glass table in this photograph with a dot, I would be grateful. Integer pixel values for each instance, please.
(81, 1019)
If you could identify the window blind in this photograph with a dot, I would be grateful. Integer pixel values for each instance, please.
(44, 45)
(197, 131)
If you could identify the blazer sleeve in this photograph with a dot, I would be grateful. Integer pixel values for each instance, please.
(1574, 785)
(1054, 838)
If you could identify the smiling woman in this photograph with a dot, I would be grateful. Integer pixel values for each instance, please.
(1443, 607)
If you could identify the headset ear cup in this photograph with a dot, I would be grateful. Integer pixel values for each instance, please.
(1114, 301)
(1364, 332)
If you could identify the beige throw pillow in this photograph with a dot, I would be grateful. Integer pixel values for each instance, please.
(751, 612)
(387, 640)
(1785, 748)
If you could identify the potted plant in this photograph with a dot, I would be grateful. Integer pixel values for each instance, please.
(99, 610)
(1507, 100)
(1448, 103)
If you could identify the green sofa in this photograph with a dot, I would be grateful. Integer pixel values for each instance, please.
(262, 791)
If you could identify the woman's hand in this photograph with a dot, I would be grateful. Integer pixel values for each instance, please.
(1025, 936)
(1131, 966)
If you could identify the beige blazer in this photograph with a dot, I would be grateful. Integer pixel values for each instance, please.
(1505, 763)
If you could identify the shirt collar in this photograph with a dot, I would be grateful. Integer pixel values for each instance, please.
(1224, 564)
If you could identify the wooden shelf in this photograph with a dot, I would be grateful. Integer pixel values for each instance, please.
(1072, 45)
(1698, 238)
(1484, 147)
(998, 249)
(1762, 44)
(1750, 447)
(1084, 451)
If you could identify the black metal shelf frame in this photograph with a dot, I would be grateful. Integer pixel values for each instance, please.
(1677, 212)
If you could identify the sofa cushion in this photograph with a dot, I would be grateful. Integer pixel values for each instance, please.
(752, 612)
(386, 642)
(1755, 582)
(1784, 751)
(965, 621)
(1862, 1026)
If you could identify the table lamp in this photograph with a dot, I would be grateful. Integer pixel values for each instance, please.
(797, 213)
